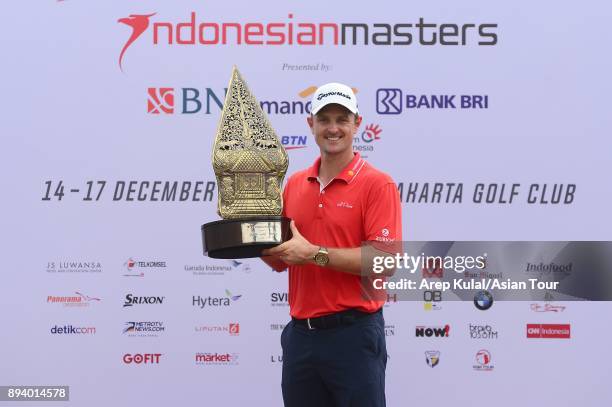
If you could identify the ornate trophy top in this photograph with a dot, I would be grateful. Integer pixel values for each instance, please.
(248, 159)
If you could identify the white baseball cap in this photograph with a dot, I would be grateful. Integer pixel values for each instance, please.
(334, 93)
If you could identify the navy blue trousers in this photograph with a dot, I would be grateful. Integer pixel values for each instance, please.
(340, 367)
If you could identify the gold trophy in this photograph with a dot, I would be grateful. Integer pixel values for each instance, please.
(250, 163)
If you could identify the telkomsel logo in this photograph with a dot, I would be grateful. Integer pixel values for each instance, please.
(78, 300)
(73, 330)
(554, 331)
(195, 32)
(432, 331)
(392, 101)
(134, 267)
(142, 358)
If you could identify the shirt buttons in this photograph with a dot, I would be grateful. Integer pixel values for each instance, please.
(320, 205)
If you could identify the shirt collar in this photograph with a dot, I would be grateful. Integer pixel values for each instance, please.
(346, 174)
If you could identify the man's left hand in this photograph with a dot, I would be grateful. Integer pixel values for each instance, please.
(298, 250)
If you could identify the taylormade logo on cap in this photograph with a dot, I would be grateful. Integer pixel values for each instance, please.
(334, 93)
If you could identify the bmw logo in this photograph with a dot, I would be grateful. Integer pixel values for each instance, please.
(483, 300)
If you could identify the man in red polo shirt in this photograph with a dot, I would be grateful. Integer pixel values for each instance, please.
(334, 351)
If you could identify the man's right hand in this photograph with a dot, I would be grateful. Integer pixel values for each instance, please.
(275, 262)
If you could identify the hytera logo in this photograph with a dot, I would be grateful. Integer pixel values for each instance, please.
(131, 300)
(141, 358)
(215, 301)
(432, 331)
(392, 101)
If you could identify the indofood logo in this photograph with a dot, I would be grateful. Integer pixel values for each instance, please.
(192, 100)
(203, 302)
(78, 300)
(549, 268)
(194, 30)
(131, 300)
(144, 328)
(136, 268)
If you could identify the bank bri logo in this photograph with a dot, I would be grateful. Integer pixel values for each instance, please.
(394, 101)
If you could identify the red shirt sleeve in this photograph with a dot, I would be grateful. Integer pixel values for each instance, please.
(383, 214)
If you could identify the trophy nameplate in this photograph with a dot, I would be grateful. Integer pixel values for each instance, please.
(249, 163)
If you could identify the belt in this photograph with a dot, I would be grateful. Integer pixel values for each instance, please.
(330, 321)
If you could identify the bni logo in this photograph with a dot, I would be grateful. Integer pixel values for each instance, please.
(161, 100)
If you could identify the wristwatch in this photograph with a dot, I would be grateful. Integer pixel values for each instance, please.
(322, 257)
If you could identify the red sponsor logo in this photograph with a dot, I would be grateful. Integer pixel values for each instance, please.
(139, 23)
(161, 100)
(141, 358)
(548, 331)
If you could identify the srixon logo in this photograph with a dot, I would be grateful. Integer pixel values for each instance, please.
(131, 300)
(432, 331)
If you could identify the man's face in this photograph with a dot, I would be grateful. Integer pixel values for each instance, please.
(334, 127)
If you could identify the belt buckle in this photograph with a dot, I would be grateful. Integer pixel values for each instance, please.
(310, 327)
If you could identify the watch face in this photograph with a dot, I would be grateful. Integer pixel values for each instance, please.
(321, 259)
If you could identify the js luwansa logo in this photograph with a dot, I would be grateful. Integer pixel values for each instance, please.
(291, 31)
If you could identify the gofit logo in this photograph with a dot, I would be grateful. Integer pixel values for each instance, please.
(216, 358)
(142, 358)
(392, 101)
(432, 331)
(204, 33)
(558, 331)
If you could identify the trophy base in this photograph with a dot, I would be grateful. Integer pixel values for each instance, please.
(244, 238)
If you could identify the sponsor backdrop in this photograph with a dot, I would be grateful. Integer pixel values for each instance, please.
(492, 118)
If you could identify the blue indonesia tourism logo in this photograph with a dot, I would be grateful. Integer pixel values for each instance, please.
(394, 101)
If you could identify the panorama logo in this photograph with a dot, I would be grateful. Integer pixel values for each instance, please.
(188, 101)
(394, 101)
(78, 300)
(193, 30)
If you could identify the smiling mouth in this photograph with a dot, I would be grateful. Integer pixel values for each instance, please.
(334, 138)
